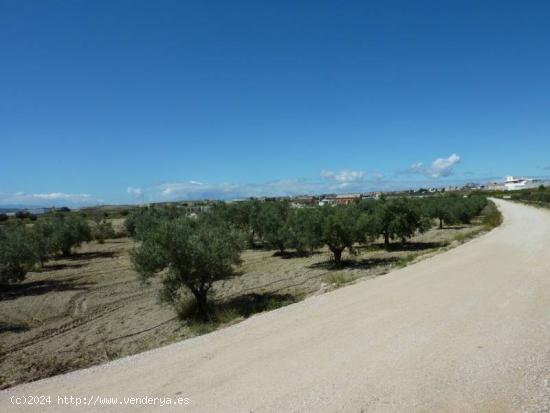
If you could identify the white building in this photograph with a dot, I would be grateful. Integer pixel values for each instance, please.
(514, 183)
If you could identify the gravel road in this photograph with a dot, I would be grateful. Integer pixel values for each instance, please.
(464, 331)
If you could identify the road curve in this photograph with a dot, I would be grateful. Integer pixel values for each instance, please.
(466, 330)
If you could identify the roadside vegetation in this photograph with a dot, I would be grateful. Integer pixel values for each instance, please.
(537, 197)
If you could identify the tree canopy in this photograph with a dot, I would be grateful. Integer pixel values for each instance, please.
(195, 253)
(16, 253)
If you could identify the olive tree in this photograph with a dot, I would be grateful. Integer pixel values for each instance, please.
(305, 227)
(70, 231)
(16, 255)
(242, 215)
(189, 254)
(103, 230)
(394, 218)
(440, 208)
(42, 240)
(406, 219)
(339, 230)
(466, 209)
(274, 228)
(380, 221)
(141, 221)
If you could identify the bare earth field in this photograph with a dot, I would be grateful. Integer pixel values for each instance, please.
(463, 331)
(91, 309)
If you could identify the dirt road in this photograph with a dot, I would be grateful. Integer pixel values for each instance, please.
(467, 330)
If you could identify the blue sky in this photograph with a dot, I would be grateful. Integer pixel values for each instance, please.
(124, 101)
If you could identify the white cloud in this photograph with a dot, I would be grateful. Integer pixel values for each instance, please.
(48, 199)
(135, 192)
(377, 176)
(417, 168)
(344, 177)
(330, 182)
(54, 196)
(441, 167)
(200, 190)
(333, 182)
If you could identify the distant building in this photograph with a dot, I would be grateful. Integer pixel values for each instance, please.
(303, 201)
(327, 201)
(513, 183)
(472, 185)
(346, 199)
(495, 186)
(371, 195)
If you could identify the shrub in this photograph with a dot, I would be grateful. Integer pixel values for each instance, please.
(338, 279)
(405, 260)
(22, 214)
(492, 217)
(3, 217)
(103, 230)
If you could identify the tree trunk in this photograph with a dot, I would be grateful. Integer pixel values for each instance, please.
(386, 240)
(440, 223)
(337, 255)
(66, 252)
(202, 304)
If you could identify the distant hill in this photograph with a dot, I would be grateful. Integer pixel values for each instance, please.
(16, 207)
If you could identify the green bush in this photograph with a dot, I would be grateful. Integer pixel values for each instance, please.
(103, 230)
(492, 217)
(195, 253)
(42, 240)
(305, 229)
(338, 279)
(397, 218)
(141, 221)
(274, 228)
(339, 230)
(22, 214)
(69, 231)
(16, 255)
